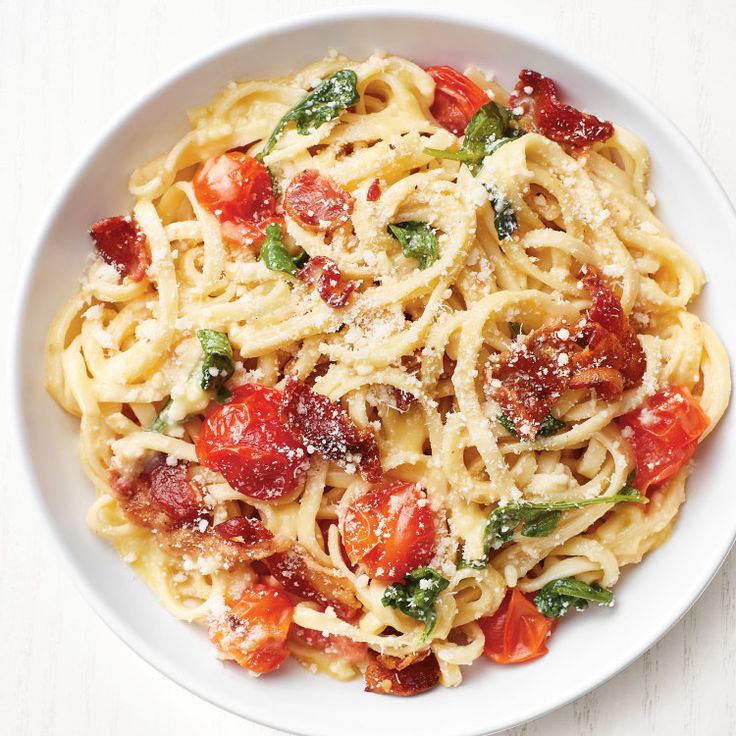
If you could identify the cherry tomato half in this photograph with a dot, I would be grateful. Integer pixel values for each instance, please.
(663, 434)
(247, 442)
(237, 189)
(456, 98)
(389, 530)
(517, 632)
(254, 630)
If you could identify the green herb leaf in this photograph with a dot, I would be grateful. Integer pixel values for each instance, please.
(549, 426)
(417, 240)
(505, 217)
(325, 102)
(558, 596)
(515, 328)
(538, 519)
(416, 596)
(161, 422)
(217, 365)
(490, 128)
(274, 253)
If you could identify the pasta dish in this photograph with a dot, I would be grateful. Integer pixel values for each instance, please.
(387, 369)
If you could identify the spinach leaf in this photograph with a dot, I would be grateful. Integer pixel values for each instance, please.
(161, 422)
(505, 217)
(538, 519)
(274, 253)
(515, 328)
(549, 426)
(325, 102)
(217, 365)
(416, 596)
(490, 128)
(417, 240)
(557, 596)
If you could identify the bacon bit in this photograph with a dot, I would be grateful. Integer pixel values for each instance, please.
(316, 202)
(604, 353)
(211, 546)
(120, 242)
(301, 576)
(344, 647)
(607, 381)
(249, 530)
(332, 287)
(607, 311)
(544, 113)
(532, 378)
(412, 680)
(326, 427)
(403, 400)
(401, 663)
(160, 498)
(374, 191)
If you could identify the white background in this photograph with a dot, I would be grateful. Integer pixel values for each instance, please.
(65, 69)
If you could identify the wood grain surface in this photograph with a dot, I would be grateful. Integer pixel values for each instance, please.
(65, 69)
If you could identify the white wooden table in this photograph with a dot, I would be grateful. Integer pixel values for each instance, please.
(65, 69)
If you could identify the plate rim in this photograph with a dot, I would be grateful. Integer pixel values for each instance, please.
(21, 437)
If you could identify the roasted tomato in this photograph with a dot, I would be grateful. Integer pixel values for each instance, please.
(121, 243)
(389, 530)
(247, 442)
(517, 632)
(254, 629)
(238, 191)
(663, 434)
(456, 98)
(316, 202)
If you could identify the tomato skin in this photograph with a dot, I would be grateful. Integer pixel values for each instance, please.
(247, 442)
(237, 189)
(255, 629)
(389, 530)
(663, 433)
(517, 632)
(121, 244)
(316, 202)
(456, 98)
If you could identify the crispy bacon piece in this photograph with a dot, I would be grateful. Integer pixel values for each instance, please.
(607, 381)
(332, 287)
(384, 677)
(543, 112)
(326, 426)
(120, 242)
(159, 498)
(301, 576)
(403, 400)
(344, 647)
(316, 202)
(374, 191)
(249, 530)
(162, 499)
(212, 546)
(601, 352)
(606, 310)
(531, 376)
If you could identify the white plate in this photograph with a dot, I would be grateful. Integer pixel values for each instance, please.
(586, 649)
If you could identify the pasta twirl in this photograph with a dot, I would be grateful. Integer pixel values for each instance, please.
(383, 360)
